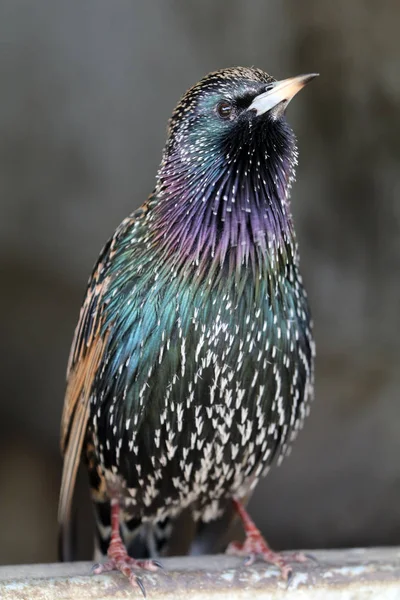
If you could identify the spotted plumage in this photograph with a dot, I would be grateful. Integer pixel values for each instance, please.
(191, 369)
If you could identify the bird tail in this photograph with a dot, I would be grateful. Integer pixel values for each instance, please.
(141, 539)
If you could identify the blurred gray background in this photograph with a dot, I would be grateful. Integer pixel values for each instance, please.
(86, 91)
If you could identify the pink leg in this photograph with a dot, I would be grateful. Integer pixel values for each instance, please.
(255, 545)
(118, 557)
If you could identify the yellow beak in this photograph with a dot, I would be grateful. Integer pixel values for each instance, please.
(280, 91)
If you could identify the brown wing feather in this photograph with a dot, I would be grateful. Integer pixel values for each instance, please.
(85, 356)
(77, 397)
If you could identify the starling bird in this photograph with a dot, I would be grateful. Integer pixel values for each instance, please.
(191, 369)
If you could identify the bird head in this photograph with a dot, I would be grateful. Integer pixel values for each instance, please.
(230, 110)
(229, 161)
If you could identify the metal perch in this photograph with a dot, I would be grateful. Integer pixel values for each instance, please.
(338, 574)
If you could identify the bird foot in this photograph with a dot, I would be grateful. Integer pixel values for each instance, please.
(125, 564)
(119, 559)
(256, 547)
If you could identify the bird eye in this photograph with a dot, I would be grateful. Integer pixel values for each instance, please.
(224, 109)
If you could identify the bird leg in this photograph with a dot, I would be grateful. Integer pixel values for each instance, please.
(255, 546)
(118, 556)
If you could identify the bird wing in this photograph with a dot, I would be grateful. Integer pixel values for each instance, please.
(90, 340)
(85, 356)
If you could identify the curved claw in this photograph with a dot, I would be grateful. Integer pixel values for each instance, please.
(96, 569)
(158, 564)
(312, 558)
(249, 560)
(140, 585)
(289, 578)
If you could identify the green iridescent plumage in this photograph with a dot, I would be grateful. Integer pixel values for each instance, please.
(206, 363)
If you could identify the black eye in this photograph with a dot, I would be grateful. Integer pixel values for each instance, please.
(224, 109)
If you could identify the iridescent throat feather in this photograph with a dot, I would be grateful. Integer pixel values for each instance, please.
(236, 197)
